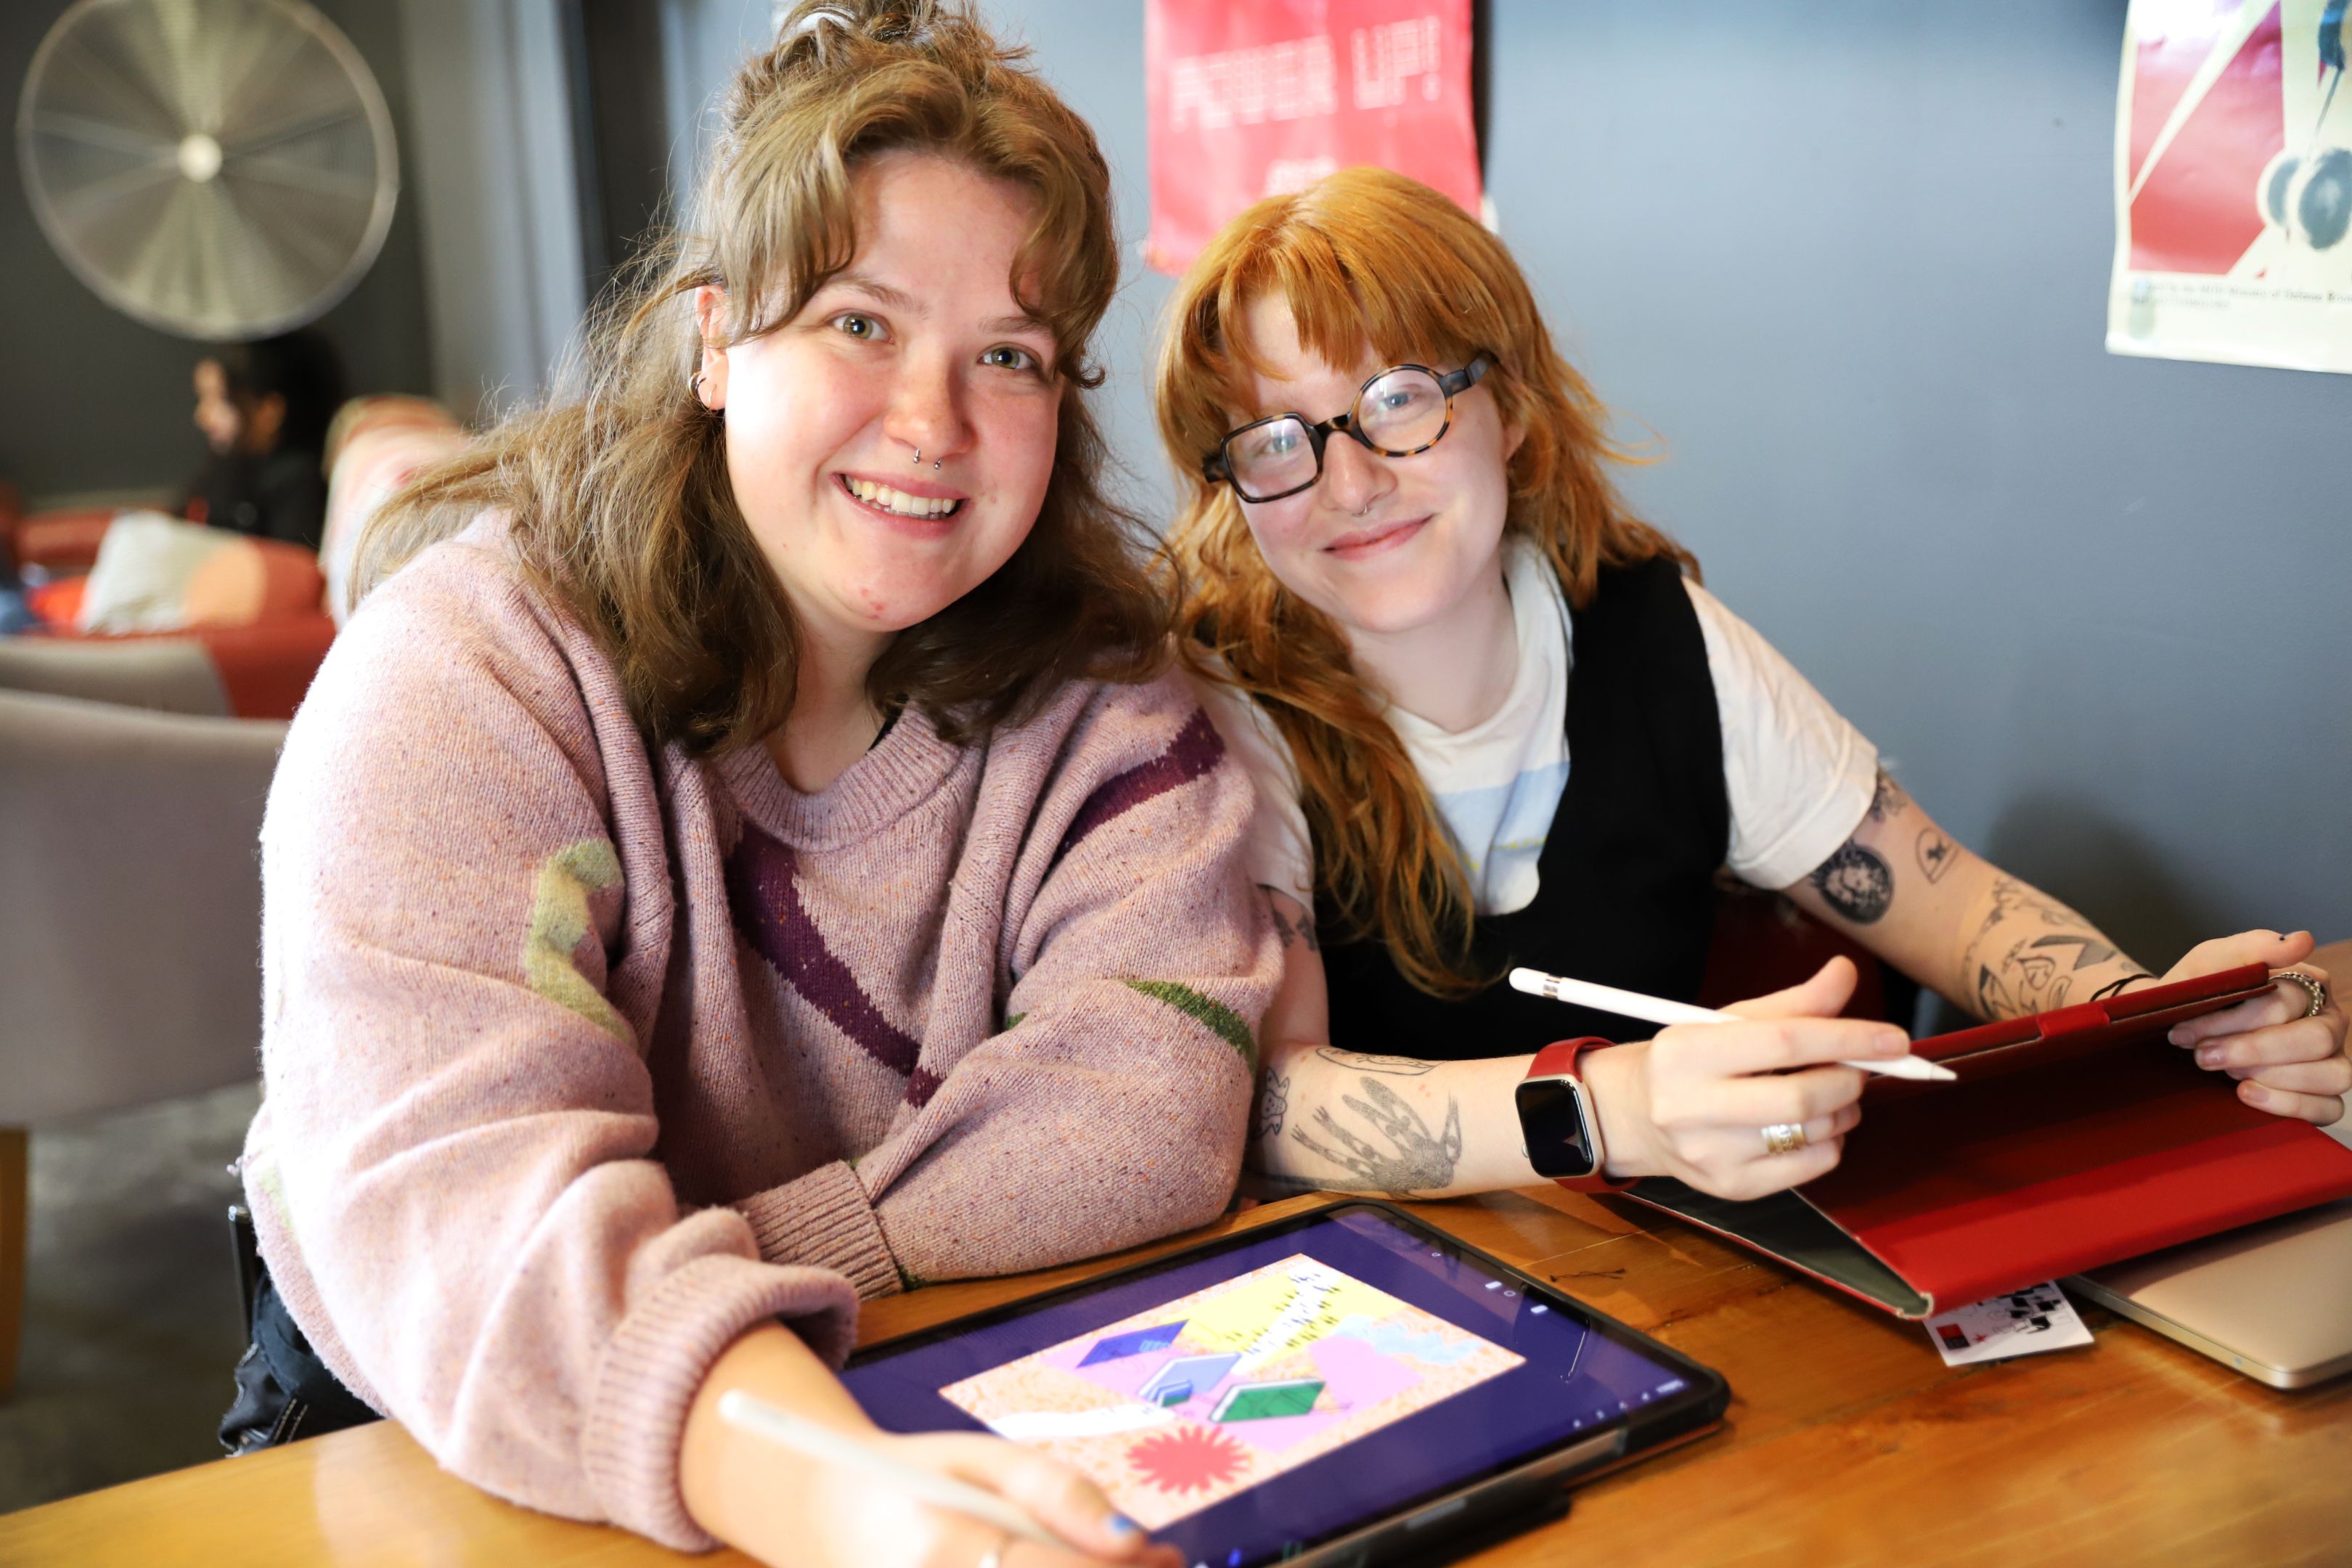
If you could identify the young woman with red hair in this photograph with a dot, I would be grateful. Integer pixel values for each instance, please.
(1493, 720)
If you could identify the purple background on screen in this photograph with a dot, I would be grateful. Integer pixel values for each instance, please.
(1573, 1380)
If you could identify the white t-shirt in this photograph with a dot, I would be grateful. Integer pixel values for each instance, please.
(1797, 775)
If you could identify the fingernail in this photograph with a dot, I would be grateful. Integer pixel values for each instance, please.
(1121, 1526)
(1893, 1044)
(2253, 1093)
(2209, 1056)
(2179, 1035)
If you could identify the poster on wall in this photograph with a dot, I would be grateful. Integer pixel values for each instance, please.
(2233, 184)
(1250, 99)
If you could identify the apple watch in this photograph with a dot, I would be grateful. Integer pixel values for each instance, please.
(1560, 1122)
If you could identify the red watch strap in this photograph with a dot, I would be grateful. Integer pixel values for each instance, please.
(1559, 1059)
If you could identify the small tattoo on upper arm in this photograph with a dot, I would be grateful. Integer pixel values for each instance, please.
(1416, 1160)
(1887, 798)
(1935, 853)
(1855, 882)
(1396, 1066)
(1301, 929)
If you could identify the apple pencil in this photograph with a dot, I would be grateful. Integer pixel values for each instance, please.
(1657, 1010)
(822, 1442)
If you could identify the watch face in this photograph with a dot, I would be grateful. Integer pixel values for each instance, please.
(1551, 1119)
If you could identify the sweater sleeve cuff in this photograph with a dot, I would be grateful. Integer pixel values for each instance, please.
(657, 1361)
(823, 1220)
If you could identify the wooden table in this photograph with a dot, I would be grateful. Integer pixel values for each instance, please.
(1848, 1442)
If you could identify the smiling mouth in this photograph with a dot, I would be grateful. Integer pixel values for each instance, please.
(898, 502)
(1365, 540)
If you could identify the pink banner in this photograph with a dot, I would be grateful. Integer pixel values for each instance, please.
(1252, 98)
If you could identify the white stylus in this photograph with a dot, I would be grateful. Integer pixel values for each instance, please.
(808, 1438)
(1657, 1010)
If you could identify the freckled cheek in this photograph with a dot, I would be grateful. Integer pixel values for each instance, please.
(789, 422)
(1016, 437)
(1281, 530)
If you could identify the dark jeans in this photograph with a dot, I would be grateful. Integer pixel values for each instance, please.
(283, 1390)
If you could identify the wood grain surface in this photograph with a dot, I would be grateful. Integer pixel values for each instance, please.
(1849, 1441)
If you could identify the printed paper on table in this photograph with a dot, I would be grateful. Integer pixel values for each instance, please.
(2233, 184)
(1188, 1403)
(1249, 98)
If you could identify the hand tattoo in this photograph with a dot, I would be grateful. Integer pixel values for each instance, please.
(1855, 882)
(1396, 1066)
(1415, 1161)
(1272, 1104)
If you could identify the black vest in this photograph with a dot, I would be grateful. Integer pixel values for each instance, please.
(1627, 873)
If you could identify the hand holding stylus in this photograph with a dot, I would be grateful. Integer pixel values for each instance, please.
(1745, 1107)
(779, 1462)
(1658, 1010)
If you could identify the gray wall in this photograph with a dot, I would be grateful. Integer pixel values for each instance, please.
(497, 195)
(1849, 263)
(92, 401)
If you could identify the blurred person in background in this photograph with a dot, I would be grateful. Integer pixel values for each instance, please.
(264, 408)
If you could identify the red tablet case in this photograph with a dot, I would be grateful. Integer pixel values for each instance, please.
(2072, 1139)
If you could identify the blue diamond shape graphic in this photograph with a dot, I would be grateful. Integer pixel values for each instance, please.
(1137, 1341)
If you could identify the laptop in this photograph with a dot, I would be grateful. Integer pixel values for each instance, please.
(2272, 1300)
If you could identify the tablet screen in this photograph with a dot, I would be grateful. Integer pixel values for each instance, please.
(1282, 1389)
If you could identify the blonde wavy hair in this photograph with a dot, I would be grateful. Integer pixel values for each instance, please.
(1368, 258)
(617, 485)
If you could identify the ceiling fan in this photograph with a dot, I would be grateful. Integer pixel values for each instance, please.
(219, 169)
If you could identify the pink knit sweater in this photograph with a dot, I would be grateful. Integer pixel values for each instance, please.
(581, 1059)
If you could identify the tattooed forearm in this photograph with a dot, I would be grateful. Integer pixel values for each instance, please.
(1273, 1105)
(1396, 1066)
(1415, 1161)
(2041, 947)
(1855, 882)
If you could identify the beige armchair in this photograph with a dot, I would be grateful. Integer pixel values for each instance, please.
(130, 922)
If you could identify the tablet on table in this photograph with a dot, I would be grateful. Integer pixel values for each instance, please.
(1347, 1386)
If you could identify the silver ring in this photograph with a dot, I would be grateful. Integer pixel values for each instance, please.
(994, 1556)
(1784, 1138)
(2311, 982)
